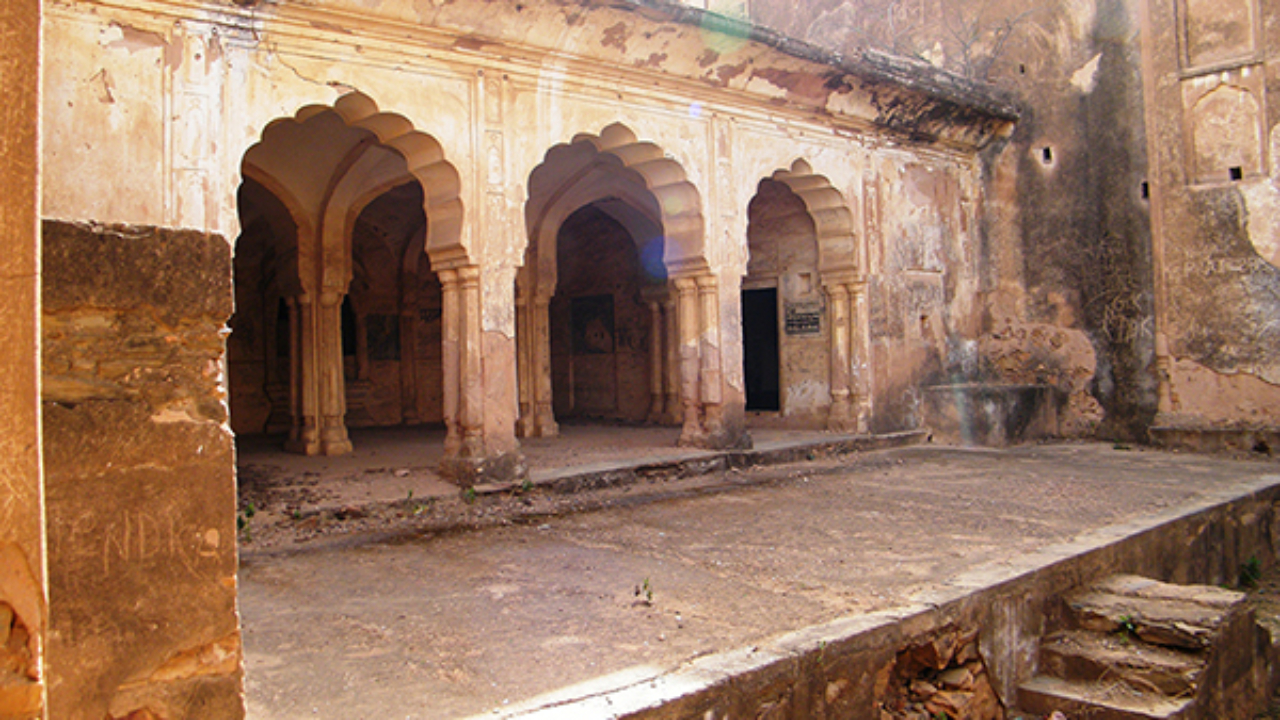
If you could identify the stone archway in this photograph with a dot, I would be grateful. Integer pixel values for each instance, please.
(326, 166)
(820, 258)
(635, 185)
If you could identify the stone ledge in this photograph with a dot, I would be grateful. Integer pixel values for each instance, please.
(1264, 441)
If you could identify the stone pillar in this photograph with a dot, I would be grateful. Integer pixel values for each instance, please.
(711, 379)
(331, 385)
(471, 410)
(481, 409)
(860, 357)
(544, 412)
(450, 360)
(687, 320)
(840, 418)
(23, 590)
(657, 364)
(304, 435)
(524, 364)
(671, 357)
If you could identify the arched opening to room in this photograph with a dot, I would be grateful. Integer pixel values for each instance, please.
(339, 314)
(803, 306)
(612, 220)
(600, 319)
(784, 346)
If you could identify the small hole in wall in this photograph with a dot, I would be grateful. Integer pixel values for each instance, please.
(1022, 69)
(1046, 155)
(1237, 173)
(1146, 190)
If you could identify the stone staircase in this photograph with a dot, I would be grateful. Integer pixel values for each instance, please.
(1131, 648)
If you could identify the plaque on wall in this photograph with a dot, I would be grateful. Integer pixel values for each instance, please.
(803, 318)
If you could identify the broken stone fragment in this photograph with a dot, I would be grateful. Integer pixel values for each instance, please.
(921, 690)
(956, 678)
(950, 704)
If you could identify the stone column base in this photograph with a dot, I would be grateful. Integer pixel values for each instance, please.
(469, 471)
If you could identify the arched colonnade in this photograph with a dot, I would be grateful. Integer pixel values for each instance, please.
(368, 301)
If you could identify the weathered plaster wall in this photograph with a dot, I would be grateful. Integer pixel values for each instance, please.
(23, 589)
(1064, 238)
(925, 307)
(139, 483)
(195, 90)
(1214, 128)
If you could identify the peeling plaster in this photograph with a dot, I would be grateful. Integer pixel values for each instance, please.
(1086, 78)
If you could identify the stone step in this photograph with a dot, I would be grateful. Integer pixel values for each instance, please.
(1088, 656)
(1099, 700)
(1173, 616)
(1141, 587)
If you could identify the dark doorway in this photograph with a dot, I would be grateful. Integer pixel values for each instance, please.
(760, 348)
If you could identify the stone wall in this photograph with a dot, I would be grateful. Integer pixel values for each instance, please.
(139, 477)
(23, 589)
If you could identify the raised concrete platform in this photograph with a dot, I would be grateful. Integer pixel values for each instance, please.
(788, 595)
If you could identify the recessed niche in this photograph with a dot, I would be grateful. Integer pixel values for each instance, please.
(1236, 173)
(1146, 190)
(1046, 155)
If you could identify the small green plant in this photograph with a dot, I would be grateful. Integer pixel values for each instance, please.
(242, 521)
(469, 495)
(644, 591)
(1127, 627)
(1250, 573)
(526, 486)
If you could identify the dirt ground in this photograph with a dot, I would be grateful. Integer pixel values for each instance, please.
(392, 619)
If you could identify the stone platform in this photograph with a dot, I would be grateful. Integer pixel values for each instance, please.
(785, 589)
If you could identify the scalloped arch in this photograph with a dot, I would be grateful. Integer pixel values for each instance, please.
(832, 219)
(677, 205)
(424, 158)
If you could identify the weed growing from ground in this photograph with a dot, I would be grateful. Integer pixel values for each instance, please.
(644, 591)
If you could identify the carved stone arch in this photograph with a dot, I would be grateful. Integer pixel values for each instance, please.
(678, 202)
(424, 159)
(592, 190)
(369, 175)
(832, 219)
